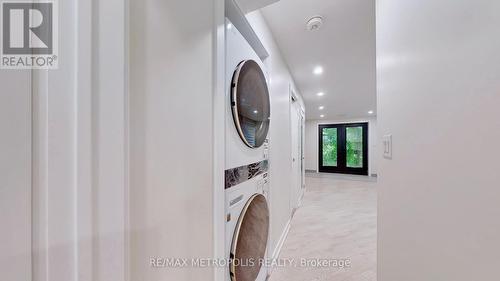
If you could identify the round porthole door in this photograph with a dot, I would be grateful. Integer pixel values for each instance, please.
(249, 243)
(250, 103)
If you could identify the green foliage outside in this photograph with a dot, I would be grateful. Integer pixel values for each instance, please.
(354, 146)
(330, 147)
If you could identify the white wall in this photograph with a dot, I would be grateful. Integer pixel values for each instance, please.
(280, 156)
(438, 95)
(311, 146)
(171, 136)
(15, 175)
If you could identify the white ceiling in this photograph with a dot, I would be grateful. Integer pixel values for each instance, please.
(344, 46)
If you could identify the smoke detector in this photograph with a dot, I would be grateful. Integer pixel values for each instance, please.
(314, 23)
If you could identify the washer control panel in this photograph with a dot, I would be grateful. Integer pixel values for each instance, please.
(263, 184)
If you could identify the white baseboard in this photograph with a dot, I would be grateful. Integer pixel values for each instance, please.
(281, 241)
(284, 235)
(303, 192)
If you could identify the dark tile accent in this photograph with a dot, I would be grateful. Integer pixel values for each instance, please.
(241, 174)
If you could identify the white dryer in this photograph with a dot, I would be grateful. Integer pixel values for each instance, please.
(246, 170)
(248, 107)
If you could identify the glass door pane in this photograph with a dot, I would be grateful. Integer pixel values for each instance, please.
(354, 147)
(330, 147)
(343, 148)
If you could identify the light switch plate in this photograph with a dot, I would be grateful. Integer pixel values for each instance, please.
(387, 142)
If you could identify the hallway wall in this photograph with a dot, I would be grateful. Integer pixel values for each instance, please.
(311, 146)
(280, 157)
(171, 136)
(438, 69)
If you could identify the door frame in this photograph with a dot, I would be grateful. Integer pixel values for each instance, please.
(341, 167)
(297, 157)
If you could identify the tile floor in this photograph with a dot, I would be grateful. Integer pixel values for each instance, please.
(337, 220)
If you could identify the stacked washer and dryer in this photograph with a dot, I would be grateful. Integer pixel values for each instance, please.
(246, 164)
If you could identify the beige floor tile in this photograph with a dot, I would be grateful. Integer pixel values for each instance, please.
(337, 220)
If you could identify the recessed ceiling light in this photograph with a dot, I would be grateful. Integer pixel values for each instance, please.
(318, 70)
(321, 107)
(255, 111)
(322, 116)
(370, 112)
(229, 26)
(320, 94)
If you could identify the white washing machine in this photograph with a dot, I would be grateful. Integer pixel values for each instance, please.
(247, 230)
(246, 169)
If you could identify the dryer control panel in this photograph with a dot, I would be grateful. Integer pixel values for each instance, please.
(266, 149)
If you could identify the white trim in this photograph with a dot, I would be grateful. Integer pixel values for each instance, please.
(109, 113)
(279, 245)
(80, 148)
(301, 198)
(39, 189)
(218, 120)
(126, 73)
(295, 110)
(54, 162)
(84, 138)
(291, 106)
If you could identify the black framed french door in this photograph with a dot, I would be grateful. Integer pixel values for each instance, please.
(343, 148)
